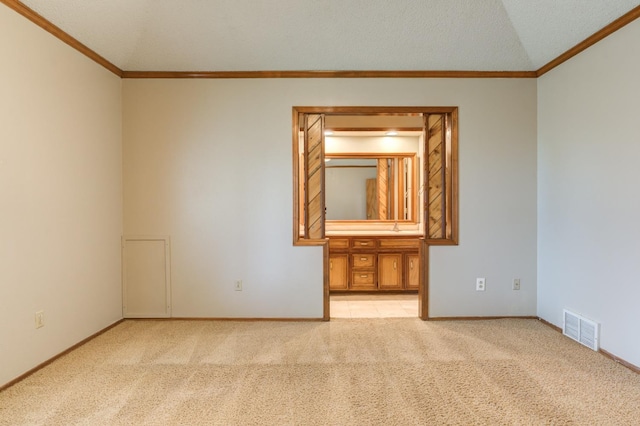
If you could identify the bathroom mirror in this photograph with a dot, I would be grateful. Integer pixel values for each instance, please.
(370, 186)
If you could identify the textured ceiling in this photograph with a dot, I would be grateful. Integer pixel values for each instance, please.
(309, 35)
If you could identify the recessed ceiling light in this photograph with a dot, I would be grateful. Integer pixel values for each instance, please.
(391, 133)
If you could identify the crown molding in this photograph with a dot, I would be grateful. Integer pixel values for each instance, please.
(329, 74)
(43, 23)
(40, 21)
(625, 19)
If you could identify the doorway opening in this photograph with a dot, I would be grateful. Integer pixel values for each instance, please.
(375, 187)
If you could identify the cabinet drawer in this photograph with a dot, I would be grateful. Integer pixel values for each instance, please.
(363, 243)
(399, 243)
(365, 260)
(339, 243)
(363, 279)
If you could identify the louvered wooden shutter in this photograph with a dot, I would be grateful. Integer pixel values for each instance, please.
(314, 176)
(438, 205)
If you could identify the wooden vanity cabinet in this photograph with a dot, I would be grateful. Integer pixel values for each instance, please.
(390, 271)
(374, 264)
(412, 271)
(338, 271)
(363, 271)
(363, 280)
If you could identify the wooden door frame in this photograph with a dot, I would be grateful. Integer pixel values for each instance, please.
(452, 191)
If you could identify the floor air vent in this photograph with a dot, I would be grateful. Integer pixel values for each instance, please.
(580, 329)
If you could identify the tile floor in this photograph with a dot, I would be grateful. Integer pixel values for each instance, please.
(373, 305)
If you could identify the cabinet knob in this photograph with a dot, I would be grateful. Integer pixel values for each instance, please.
(363, 258)
(395, 265)
(411, 264)
(331, 265)
(364, 276)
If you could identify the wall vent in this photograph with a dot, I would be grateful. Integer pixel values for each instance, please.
(580, 329)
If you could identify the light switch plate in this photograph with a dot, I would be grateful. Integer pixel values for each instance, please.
(39, 319)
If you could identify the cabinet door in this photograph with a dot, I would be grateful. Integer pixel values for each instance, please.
(338, 272)
(390, 271)
(412, 281)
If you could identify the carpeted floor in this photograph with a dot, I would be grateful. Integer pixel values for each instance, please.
(395, 371)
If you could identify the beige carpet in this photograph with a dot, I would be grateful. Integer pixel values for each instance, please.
(346, 372)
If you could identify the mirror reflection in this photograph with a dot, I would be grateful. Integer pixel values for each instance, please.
(370, 186)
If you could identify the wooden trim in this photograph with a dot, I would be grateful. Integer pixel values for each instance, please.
(40, 21)
(61, 354)
(48, 26)
(446, 220)
(297, 199)
(244, 319)
(482, 318)
(415, 172)
(423, 287)
(373, 129)
(400, 203)
(440, 242)
(548, 324)
(590, 41)
(310, 242)
(379, 292)
(608, 354)
(454, 190)
(328, 74)
(343, 155)
(326, 313)
(392, 174)
(372, 237)
(323, 214)
(620, 361)
(373, 233)
(424, 185)
(375, 110)
(348, 167)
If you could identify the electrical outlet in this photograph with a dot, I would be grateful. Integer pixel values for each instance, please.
(480, 284)
(516, 283)
(238, 286)
(39, 319)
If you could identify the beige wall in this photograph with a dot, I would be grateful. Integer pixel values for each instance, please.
(588, 197)
(60, 195)
(208, 162)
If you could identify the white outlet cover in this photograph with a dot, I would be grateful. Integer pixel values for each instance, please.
(39, 319)
(480, 284)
